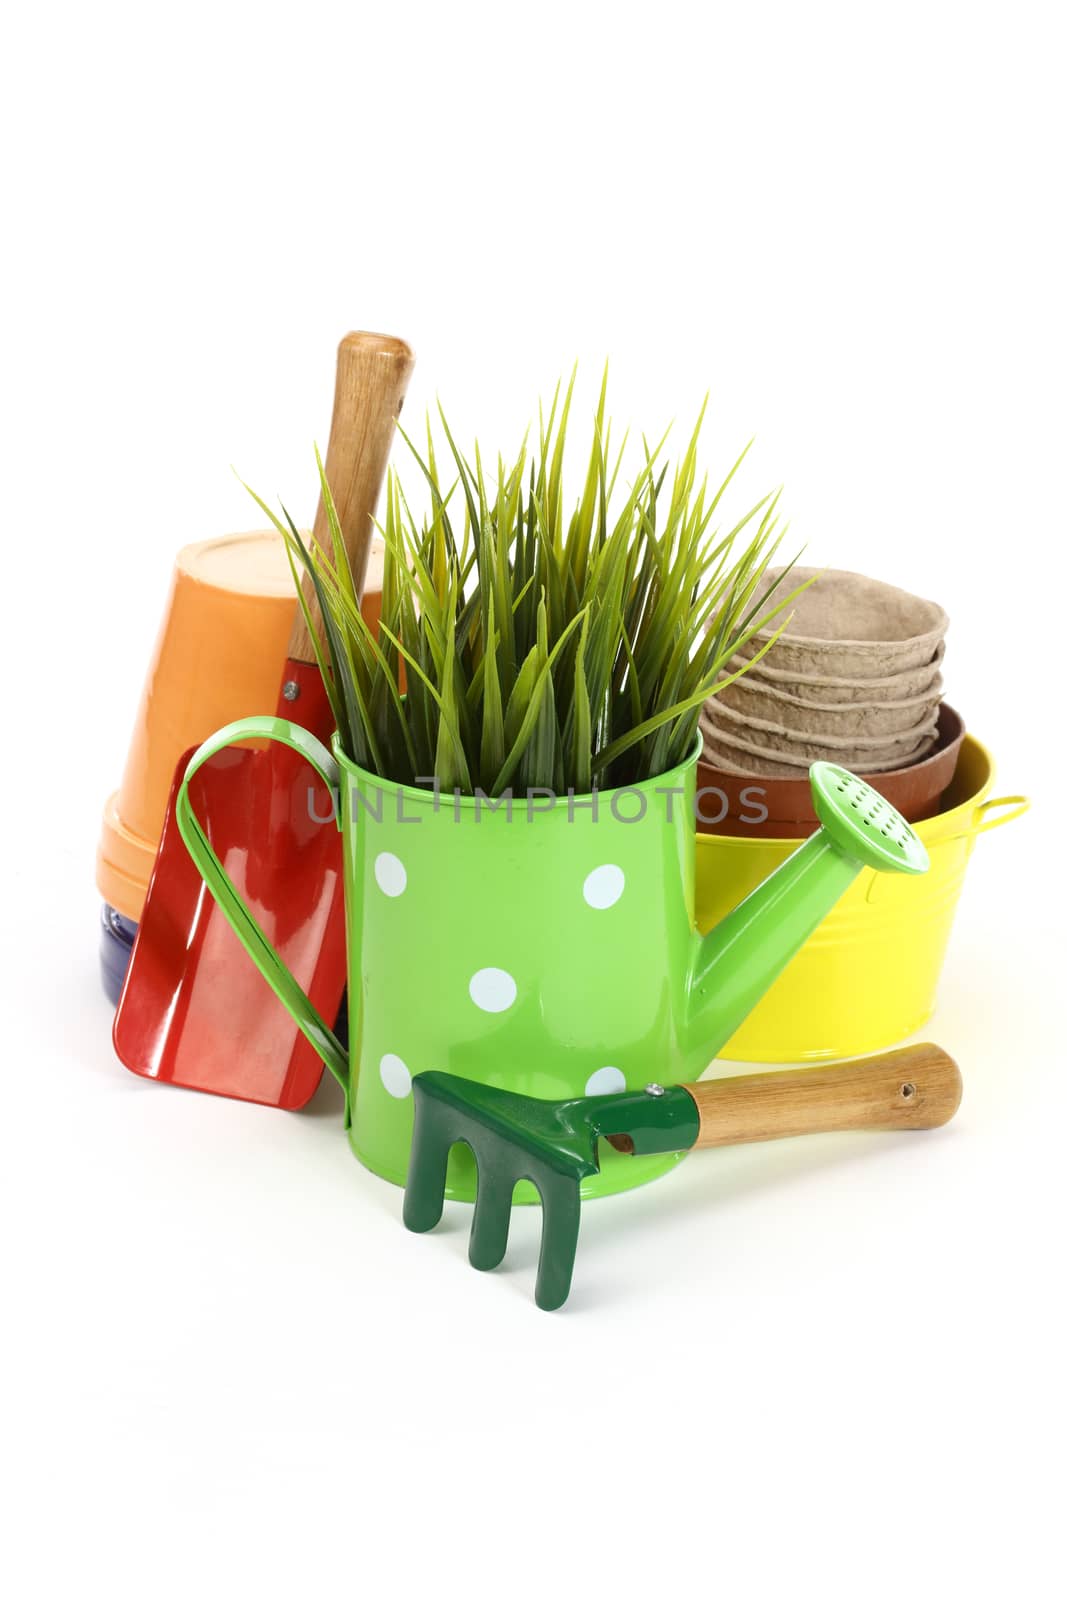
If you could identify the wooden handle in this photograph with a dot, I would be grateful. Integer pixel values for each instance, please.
(917, 1087)
(372, 376)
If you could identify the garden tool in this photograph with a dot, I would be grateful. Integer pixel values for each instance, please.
(553, 1143)
(193, 1010)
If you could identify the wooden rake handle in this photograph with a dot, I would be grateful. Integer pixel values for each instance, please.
(916, 1087)
(372, 378)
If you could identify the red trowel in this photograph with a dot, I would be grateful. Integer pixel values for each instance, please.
(194, 1010)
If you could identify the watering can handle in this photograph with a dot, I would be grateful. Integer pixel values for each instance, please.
(321, 1038)
(917, 1087)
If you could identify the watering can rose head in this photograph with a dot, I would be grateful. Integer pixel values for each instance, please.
(522, 646)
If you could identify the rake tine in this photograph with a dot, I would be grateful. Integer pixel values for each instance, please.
(492, 1220)
(424, 1196)
(561, 1208)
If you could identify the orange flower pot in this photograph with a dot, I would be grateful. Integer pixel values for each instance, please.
(219, 655)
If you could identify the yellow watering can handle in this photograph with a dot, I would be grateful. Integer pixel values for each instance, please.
(1019, 801)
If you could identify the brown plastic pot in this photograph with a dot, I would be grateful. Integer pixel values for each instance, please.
(746, 805)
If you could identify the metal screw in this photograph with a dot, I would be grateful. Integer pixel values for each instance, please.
(290, 690)
(655, 1090)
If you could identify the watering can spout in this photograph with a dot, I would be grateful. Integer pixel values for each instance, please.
(737, 961)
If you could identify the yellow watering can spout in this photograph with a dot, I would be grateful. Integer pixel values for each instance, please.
(734, 964)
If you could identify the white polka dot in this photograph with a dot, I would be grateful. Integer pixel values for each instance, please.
(390, 873)
(395, 1076)
(605, 1080)
(492, 989)
(603, 887)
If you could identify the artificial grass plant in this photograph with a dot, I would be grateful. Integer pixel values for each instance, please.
(541, 648)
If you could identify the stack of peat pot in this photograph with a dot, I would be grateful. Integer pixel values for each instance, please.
(855, 678)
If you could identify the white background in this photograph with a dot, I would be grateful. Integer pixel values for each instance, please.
(830, 1367)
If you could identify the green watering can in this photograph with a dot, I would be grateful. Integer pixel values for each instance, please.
(541, 944)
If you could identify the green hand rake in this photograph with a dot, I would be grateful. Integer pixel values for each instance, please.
(553, 1143)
